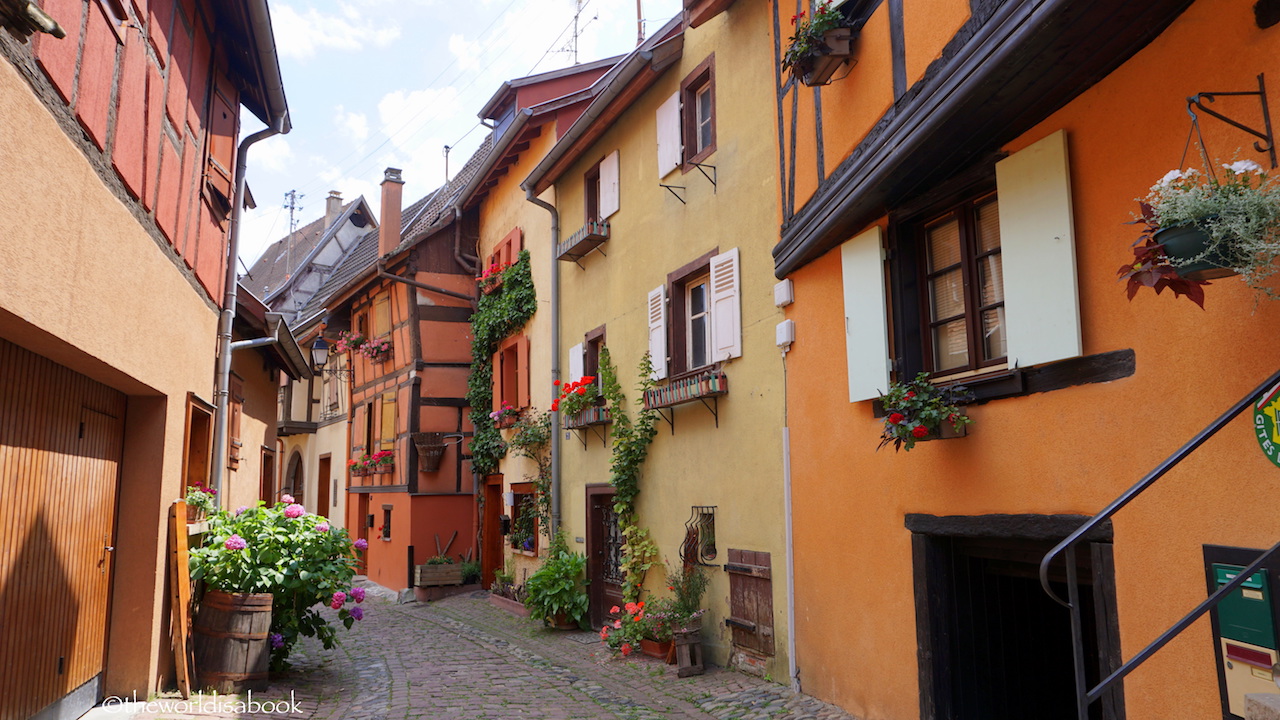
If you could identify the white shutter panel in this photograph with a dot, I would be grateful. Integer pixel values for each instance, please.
(609, 201)
(1038, 253)
(658, 331)
(726, 306)
(669, 150)
(866, 328)
(575, 363)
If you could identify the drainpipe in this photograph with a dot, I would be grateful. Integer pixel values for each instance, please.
(555, 351)
(793, 667)
(466, 262)
(222, 377)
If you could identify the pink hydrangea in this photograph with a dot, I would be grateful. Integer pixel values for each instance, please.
(286, 499)
(338, 599)
(322, 527)
(235, 542)
(295, 511)
(362, 544)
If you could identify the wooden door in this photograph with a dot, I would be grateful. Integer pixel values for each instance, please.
(323, 484)
(751, 601)
(604, 554)
(61, 436)
(491, 531)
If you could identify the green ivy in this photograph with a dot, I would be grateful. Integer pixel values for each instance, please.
(532, 440)
(630, 449)
(498, 315)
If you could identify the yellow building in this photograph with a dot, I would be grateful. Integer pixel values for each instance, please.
(665, 192)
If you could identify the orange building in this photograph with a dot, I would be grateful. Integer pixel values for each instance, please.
(955, 201)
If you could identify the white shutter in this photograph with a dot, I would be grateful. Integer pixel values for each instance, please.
(866, 328)
(1038, 253)
(726, 306)
(575, 363)
(669, 150)
(658, 331)
(609, 185)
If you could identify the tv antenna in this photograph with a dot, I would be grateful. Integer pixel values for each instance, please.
(291, 204)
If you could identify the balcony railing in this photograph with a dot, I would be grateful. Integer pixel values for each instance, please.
(588, 238)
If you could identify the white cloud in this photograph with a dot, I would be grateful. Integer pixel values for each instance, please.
(354, 124)
(302, 35)
(272, 154)
(400, 112)
(466, 52)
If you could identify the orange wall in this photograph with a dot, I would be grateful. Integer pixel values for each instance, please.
(1067, 451)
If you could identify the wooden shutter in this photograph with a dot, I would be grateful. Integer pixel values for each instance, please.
(235, 410)
(387, 436)
(658, 331)
(359, 416)
(222, 146)
(1037, 239)
(726, 306)
(498, 374)
(381, 316)
(609, 199)
(576, 358)
(669, 150)
(866, 328)
(522, 372)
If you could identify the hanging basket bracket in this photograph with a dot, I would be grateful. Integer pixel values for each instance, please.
(1266, 140)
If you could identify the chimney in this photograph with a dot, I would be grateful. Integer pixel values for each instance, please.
(332, 206)
(392, 192)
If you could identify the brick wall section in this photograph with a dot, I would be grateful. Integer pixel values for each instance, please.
(136, 102)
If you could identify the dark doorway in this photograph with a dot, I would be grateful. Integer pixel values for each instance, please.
(993, 645)
(604, 553)
(491, 555)
(323, 483)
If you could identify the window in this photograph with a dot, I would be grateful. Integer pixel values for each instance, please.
(511, 373)
(507, 251)
(591, 193)
(705, 314)
(593, 343)
(524, 518)
(385, 531)
(964, 288)
(698, 98)
(223, 121)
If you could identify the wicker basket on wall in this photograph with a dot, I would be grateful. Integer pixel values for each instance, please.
(430, 450)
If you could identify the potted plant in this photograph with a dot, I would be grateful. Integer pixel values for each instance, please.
(919, 410)
(266, 569)
(688, 583)
(1199, 226)
(575, 398)
(557, 592)
(630, 630)
(820, 45)
(201, 502)
(506, 594)
(377, 350)
(491, 278)
(438, 570)
(350, 341)
(505, 416)
(382, 462)
(360, 465)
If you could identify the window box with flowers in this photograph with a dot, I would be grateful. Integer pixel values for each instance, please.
(505, 416)
(201, 502)
(821, 44)
(378, 351)
(359, 466)
(578, 402)
(918, 410)
(491, 279)
(383, 462)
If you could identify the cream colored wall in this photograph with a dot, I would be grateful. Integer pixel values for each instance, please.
(506, 208)
(329, 438)
(82, 283)
(736, 467)
(257, 429)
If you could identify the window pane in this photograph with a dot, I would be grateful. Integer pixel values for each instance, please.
(698, 299)
(704, 134)
(703, 117)
(988, 223)
(950, 346)
(993, 341)
(698, 341)
(948, 295)
(944, 245)
(991, 275)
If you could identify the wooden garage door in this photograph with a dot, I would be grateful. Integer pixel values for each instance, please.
(60, 441)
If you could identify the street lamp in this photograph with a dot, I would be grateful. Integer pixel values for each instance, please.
(320, 358)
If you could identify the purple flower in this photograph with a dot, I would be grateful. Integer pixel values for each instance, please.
(357, 613)
(286, 499)
(241, 509)
(295, 511)
(358, 594)
(277, 640)
(338, 599)
(362, 544)
(322, 527)
(235, 542)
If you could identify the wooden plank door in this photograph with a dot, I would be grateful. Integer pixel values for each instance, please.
(604, 554)
(61, 437)
(751, 601)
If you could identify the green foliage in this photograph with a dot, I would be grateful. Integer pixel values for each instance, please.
(202, 498)
(439, 560)
(558, 587)
(498, 315)
(532, 440)
(689, 583)
(471, 572)
(639, 553)
(522, 530)
(917, 409)
(301, 560)
(634, 624)
(807, 41)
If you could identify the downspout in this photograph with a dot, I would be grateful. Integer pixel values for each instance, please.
(222, 375)
(555, 351)
(793, 667)
(466, 262)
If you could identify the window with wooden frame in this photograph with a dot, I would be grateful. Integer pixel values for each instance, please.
(507, 251)
(964, 288)
(524, 518)
(698, 111)
(223, 126)
(591, 194)
(199, 442)
(511, 373)
(695, 320)
(384, 532)
(584, 358)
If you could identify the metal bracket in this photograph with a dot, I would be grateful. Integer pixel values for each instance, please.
(582, 435)
(715, 412)
(1266, 140)
(672, 189)
(671, 419)
(710, 178)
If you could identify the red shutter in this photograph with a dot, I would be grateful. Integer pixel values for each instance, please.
(497, 381)
(222, 146)
(522, 365)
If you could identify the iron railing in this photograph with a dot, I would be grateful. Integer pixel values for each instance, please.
(1086, 696)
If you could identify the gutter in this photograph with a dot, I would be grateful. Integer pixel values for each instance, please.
(555, 350)
(260, 17)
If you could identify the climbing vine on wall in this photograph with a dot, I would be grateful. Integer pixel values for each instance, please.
(630, 448)
(498, 315)
(532, 440)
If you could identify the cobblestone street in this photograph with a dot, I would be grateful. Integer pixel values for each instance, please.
(463, 659)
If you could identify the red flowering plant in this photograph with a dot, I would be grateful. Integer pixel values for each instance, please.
(382, 458)
(626, 632)
(491, 278)
(916, 409)
(807, 41)
(574, 397)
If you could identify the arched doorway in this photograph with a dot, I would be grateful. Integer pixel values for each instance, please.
(293, 483)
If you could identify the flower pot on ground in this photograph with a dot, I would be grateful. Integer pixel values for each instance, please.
(919, 410)
(438, 570)
(655, 648)
(558, 587)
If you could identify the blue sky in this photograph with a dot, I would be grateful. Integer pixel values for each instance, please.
(378, 83)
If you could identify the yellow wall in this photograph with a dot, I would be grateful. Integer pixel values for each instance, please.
(737, 466)
(67, 247)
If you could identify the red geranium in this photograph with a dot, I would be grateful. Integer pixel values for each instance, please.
(919, 431)
(896, 418)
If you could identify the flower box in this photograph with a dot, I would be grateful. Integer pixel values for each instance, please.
(384, 469)
(490, 284)
(433, 575)
(515, 608)
(835, 50)
(946, 431)
(660, 650)
(507, 421)
(588, 238)
(587, 418)
(678, 392)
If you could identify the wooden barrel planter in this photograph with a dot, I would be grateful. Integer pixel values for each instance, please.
(232, 652)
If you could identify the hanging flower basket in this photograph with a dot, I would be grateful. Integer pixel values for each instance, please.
(430, 447)
(1184, 243)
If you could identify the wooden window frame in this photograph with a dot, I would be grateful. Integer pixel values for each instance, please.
(677, 325)
(385, 534)
(519, 492)
(591, 194)
(202, 465)
(379, 330)
(592, 343)
(702, 77)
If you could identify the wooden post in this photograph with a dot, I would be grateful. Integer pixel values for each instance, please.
(180, 595)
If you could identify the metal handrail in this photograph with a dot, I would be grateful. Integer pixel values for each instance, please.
(1085, 696)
